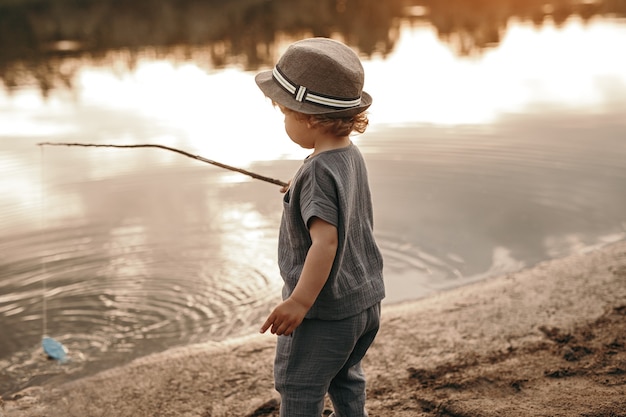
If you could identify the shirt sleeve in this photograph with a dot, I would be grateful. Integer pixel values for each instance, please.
(319, 196)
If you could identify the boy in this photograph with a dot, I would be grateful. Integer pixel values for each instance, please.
(327, 255)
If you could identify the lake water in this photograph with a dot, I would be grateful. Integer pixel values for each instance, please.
(492, 147)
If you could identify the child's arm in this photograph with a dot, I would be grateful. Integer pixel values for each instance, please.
(319, 260)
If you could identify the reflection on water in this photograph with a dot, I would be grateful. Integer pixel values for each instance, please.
(50, 41)
(469, 203)
(497, 141)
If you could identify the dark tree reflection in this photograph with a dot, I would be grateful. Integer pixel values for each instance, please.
(44, 42)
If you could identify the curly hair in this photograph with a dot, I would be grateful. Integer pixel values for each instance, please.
(337, 126)
(340, 126)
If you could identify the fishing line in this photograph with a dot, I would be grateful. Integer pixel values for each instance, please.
(51, 347)
(42, 228)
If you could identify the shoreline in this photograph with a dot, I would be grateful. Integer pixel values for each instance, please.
(545, 341)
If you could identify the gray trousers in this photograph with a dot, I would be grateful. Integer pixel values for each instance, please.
(324, 356)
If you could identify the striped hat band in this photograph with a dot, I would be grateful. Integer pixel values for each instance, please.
(302, 94)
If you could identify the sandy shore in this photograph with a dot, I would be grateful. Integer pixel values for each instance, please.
(547, 341)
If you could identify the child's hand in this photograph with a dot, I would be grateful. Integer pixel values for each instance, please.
(285, 188)
(285, 318)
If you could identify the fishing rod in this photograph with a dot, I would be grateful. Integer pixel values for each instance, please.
(179, 151)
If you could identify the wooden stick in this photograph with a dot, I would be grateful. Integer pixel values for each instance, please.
(197, 157)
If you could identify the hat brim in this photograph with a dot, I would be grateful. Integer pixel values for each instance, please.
(274, 91)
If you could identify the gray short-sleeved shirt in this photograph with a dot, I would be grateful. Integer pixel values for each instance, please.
(333, 186)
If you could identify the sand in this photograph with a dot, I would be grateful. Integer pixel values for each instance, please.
(546, 341)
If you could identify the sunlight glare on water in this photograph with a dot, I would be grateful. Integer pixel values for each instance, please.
(530, 70)
(219, 114)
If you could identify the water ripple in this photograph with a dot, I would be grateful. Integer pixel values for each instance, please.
(129, 301)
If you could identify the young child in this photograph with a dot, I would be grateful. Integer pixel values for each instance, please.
(327, 255)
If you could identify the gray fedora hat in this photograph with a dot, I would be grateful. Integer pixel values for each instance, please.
(317, 76)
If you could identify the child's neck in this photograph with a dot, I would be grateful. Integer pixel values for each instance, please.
(329, 143)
